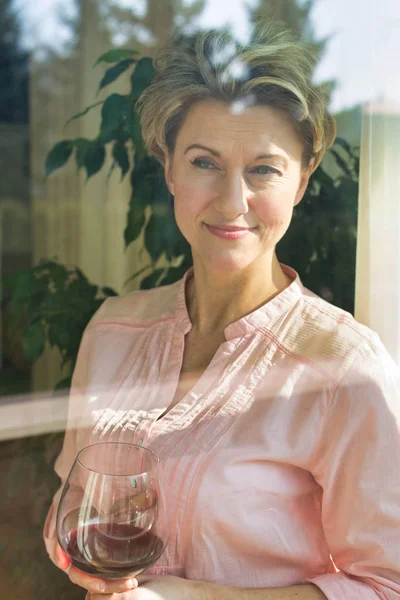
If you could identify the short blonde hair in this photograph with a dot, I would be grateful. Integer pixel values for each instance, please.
(273, 69)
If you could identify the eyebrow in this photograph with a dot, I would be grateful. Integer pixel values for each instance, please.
(214, 152)
(217, 154)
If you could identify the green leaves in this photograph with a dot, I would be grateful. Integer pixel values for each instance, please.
(344, 144)
(147, 184)
(94, 158)
(321, 241)
(161, 234)
(341, 162)
(116, 55)
(84, 112)
(119, 122)
(141, 77)
(107, 291)
(64, 384)
(81, 147)
(113, 117)
(60, 329)
(33, 341)
(27, 286)
(174, 274)
(120, 155)
(135, 133)
(57, 304)
(153, 280)
(58, 156)
(137, 211)
(89, 155)
(114, 72)
(154, 236)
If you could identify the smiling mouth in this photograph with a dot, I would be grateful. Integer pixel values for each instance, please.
(229, 232)
(228, 228)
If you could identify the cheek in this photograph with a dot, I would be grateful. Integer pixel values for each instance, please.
(276, 211)
(190, 200)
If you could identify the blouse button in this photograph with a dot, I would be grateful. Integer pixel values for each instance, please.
(140, 443)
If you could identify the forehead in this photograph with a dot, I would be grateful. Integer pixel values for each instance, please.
(256, 128)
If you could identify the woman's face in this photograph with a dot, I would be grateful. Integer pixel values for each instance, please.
(236, 178)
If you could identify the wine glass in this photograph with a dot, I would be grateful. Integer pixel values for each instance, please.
(111, 518)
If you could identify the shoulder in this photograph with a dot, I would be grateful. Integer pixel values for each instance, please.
(365, 379)
(329, 337)
(141, 307)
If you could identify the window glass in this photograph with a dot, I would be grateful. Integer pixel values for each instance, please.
(76, 223)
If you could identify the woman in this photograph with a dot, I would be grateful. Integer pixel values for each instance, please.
(274, 413)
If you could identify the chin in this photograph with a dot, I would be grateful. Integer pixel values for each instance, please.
(229, 264)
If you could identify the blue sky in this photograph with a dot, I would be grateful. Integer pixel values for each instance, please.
(362, 54)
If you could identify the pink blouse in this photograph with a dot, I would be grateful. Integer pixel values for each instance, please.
(283, 460)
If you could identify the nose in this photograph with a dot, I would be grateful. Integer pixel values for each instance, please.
(231, 201)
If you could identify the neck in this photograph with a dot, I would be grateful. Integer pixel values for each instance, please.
(217, 299)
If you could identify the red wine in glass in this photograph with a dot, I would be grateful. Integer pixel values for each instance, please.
(113, 556)
(111, 519)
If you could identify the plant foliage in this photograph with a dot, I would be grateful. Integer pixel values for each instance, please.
(321, 241)
(57, 303)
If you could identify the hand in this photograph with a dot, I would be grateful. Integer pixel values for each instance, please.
(158, 588)
(94, 585)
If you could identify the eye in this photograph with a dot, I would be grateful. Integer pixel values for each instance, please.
(202, 163)
(265, 170)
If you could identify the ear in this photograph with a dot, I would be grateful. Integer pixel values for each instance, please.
(168, 173)
(305, 177)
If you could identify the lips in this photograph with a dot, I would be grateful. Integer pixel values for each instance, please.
(230, 228)
(229, 232)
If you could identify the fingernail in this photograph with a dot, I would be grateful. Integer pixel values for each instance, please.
(101, 587)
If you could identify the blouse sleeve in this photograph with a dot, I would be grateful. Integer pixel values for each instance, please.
(69, 450)
(357, 464)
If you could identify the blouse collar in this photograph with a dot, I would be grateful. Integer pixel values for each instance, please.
(262, 317)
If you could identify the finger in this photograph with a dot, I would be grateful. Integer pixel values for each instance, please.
(62, 559)
(96, 585)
